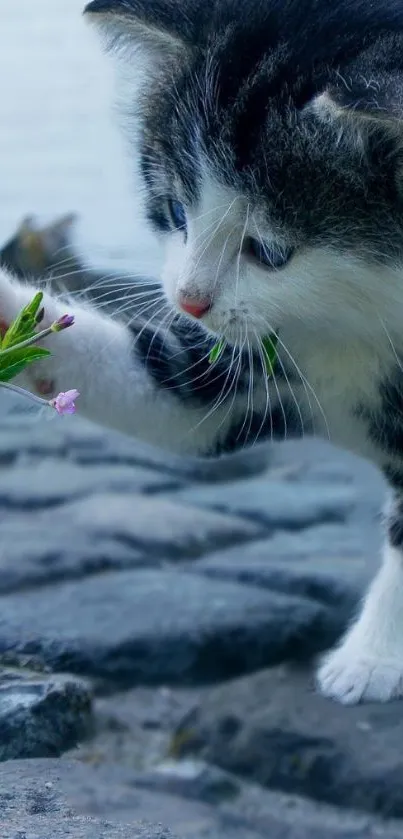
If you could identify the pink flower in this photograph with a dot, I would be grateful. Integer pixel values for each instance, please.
(62, 323)
(64, 403)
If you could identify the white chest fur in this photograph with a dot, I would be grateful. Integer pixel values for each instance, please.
(340, 381)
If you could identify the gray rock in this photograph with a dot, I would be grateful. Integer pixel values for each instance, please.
(276, 503)
(41, 715)
(107, 531)
(36, 550)
(319, 458)
(116, 448)
(48, 793)
(247, 806)
(24, 440)
(134, 728)
(76, 827)
(158, 525)
(53, 799)
(327, 563)
(142, 720)
(35, 805)
(272, 728)
(160, 626)
(56, 482)
(192, 779)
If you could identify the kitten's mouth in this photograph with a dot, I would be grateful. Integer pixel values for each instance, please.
(226, 327)
(235, 331)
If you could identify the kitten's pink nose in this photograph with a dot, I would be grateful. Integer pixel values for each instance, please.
(196, 308)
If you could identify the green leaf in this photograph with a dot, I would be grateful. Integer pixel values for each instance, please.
(15, 362)
(216, 351)
(269, 345)
(23, 327)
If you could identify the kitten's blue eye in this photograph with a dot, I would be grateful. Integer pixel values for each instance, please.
(177, 213)
(271, 256)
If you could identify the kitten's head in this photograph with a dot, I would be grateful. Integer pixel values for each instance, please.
(271, 149)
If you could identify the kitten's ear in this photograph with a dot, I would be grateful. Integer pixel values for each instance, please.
(378, 99)
(369, 90)
(156, 26)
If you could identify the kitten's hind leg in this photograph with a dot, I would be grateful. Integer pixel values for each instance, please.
(368, 664)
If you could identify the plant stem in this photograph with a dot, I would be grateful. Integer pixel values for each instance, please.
(22, 392)
(28, 342)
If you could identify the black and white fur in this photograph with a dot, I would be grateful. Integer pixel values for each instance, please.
(277, 122)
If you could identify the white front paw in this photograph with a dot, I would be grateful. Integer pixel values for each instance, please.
(353, 674)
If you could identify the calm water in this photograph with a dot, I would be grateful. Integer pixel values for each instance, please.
(60, 147)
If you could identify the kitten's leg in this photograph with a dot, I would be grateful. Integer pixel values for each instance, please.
(157, 386)
(368, 664)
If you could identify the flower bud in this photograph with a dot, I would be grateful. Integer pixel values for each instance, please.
(62, 323)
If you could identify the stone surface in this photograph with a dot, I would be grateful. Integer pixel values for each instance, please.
(41, 715)
(76, 827)
(275, 503)
(53, 485)
(37, 801)
(272, 728)
(23, 442)
(134, 728)
(192, 779)
(325, 563)
(106, 531)
(158, 524)
(47, 800)
(42, 550)
(160, 626)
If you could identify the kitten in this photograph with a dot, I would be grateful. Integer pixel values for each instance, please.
(271, 152)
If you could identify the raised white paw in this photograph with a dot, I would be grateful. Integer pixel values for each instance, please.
(353, 675)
